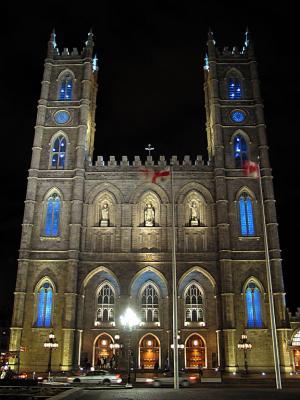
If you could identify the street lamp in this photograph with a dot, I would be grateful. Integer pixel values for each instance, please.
(116, 346)
(129, 321)
(50, 344)
(244, 345)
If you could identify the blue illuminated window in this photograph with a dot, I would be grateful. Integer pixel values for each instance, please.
(253, 305)
(234, 89)
(240, 150)
(66, 86)
(52, 215)
(58, 152)
(246, 215)
(45, 300)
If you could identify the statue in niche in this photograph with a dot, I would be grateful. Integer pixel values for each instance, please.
(149, 215)
(194, 215)
(104, 221)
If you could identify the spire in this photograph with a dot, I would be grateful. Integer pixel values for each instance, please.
(89, 44)
(210, 35)
(206, 65)
(211, 44)
(247, 37)
(52, 44)
(248, 45)
(95, 63)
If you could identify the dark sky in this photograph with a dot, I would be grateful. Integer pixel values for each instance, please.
(150, 90)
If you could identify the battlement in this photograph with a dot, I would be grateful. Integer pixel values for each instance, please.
(162, 162)
(233, 52)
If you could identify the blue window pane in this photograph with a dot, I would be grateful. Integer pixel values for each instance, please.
(40, 316)
(48, 223)
(62, 91)
(56, 217)
(69, 90)
(243, 217)
(240, 150)
(249, 304)
(54, 160)
(250, 217)
(48, 309)
(58, 152)
(234, 89)
(65, 92)
(257, 305)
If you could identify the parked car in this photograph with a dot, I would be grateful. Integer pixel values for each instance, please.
(100, 376)
(167, 379)
(63, 376)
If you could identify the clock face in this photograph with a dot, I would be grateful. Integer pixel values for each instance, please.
(62, 117)
(238, 116)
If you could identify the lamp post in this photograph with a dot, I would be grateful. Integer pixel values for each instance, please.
(244, 345)
(179, 347)
(50, 344)
(129, 321)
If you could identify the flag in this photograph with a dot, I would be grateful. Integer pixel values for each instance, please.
(153, 176)
(251, 169)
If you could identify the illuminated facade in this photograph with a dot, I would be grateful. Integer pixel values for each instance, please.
(96, 238)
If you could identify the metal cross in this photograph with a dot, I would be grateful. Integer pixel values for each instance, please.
(149, 148)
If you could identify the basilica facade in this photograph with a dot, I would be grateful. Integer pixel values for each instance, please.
(97, 235)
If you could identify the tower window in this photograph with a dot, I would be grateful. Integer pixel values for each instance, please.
(45, 299)
(234, 89)
(246, 215)
(58, 153)
(149, 304)
(66, 86)
(253, 305)
(52, 215)
(194, 304)
(240, 149)
(105, 304)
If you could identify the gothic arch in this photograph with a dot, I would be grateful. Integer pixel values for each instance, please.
(241, 133)
(105, 274)
(245, 189)
(65, 72)
(145, 275)
(148, 200)
(235, 73)
(51, 144)
(150, 350)
(103, 199)
(50, 192)
(196, 187)
(194, 203)
(193, 274)
(162, 194)
(113, 191)
(42, 280)
(105, 335)
(254, 280)
(201, 353)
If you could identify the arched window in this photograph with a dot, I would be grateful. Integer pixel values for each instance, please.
(246, 215)
(45, 300)
(52, 215)
(240, 150)
(66, 86)
(253, 305)
(149, 304)
(234, 88)
(194, 310)
(296, 339)
(58, 152)
(105, 304)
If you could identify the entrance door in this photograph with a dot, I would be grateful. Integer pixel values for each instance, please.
(195, 352)
(149, 352)
(103, 351)
(297, 359)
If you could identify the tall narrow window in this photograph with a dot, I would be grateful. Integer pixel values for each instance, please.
(234, 89)
(58, 152)
(66, 86)
(149, 304)
(240, 151)
(194, 310)
(246, 215)
(52, 215)
(253, 305)
(45, 300)
(105, 304)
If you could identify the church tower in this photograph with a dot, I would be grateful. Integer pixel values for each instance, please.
(236, 133)
(97, 238)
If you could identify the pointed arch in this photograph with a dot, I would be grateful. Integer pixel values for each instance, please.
(194, 304)
(102, 348)
(241, 144)
(195, 351)
(162, 194)
(105, 303)
(149, 274)
(234, 85)
(149, 352)
(51, 213)
(245, 199)
(196, 273)
(103, 274)
(44, 292)
(149, 295)
(253, 291)
(65, 85)
(295, 339)
(58, 150)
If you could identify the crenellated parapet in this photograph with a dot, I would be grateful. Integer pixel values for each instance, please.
(183, 163)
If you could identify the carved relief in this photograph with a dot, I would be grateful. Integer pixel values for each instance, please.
(195, 210)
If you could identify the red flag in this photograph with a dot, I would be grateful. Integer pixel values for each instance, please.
(151, 175)
(251, 169)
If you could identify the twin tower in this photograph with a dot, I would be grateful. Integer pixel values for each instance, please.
(97, 239)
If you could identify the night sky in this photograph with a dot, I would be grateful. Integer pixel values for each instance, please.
(150, 91)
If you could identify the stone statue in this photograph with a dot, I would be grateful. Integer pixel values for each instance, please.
(104, 221)
(149, 215)
(194, 218)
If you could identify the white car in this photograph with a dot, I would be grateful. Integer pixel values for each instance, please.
(167, 379)
(100, 376)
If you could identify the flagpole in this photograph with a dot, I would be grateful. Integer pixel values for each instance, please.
(174, 281)
(270, 291)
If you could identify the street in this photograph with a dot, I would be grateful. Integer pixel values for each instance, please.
(240, 393)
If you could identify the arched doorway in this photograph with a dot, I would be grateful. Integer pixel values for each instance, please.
(195, 352)
(103, 351)
(296, 350)
(149, 357)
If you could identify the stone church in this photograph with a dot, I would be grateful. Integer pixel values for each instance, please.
(97, 237)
